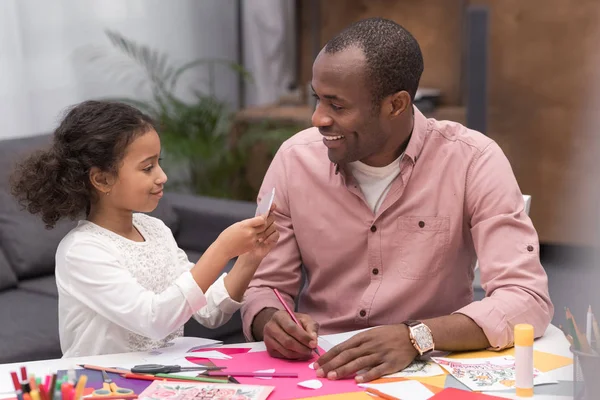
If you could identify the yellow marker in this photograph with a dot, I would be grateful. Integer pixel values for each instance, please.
(80, 387)
(524, 360)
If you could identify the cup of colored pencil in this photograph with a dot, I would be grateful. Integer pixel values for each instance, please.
(585, 347)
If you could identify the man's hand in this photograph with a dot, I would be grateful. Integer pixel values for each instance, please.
(285, 339)
(376, 352)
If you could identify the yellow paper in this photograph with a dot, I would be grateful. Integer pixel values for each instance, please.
(343, 396)
(438, 381)
(541, 360)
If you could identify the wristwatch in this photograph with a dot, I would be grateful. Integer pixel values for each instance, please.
(420, 336)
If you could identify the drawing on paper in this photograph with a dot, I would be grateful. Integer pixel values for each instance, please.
(418, 369)
(160, 390)
(482, 374)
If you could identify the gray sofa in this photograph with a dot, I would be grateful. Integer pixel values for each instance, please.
(28, 294)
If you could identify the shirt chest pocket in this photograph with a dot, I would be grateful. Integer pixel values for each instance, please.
(421, 244)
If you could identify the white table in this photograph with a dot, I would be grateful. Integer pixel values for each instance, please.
(552, 342)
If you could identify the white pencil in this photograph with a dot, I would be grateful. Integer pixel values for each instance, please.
(588, 325)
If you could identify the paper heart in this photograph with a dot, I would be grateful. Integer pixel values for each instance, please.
(311, 384)
(311, 365)
(269, 371)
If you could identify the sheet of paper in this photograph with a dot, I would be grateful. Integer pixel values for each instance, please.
(418, 369)
(458, 394)
(338, 338)
(286, 388)
(405, 390)
(185, 344)
(174, 353)
(161, 390)
(541, 360)
(487, 374)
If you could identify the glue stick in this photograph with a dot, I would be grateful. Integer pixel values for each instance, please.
(524, 360)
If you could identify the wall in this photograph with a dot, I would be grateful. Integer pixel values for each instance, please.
(43, 66)
(544, 92)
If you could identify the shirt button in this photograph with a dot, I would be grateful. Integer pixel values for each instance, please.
(373, 228)
(363, 313)
(530, 248)
(375, 271)
(421, 224)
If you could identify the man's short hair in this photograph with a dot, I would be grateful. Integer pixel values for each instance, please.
(393, 56)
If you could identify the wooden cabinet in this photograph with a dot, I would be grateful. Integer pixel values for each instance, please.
(544, 91)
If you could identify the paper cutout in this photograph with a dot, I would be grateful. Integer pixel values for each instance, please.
(541, 360)
(211, 355)
(311, 384)
(161, 390)
(405, 390)
(487, 374)
(418, 369)
(311, 365)
(286, 388)
(270, 371)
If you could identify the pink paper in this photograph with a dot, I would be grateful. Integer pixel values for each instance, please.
(286, 388)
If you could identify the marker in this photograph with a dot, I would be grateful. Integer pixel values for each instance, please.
(17, 385)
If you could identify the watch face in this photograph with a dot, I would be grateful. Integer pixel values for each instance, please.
(423, 337)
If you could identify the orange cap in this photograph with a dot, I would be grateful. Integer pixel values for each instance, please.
(523, 335)
(524, 392)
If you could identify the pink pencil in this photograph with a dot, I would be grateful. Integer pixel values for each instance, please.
(254, 374)
(291, 314)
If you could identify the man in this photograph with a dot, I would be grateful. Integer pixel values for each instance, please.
(388, 211)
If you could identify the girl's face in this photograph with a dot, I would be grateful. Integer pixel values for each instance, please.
(140, 181)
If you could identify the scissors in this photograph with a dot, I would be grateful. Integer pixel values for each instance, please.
(167, 369)
(109, 388)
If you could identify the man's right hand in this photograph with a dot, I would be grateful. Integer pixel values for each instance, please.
(283, 338)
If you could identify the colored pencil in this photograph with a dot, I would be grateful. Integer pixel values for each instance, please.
(52, 387)
(588, 325)
(192, 378)
(170, 377)
(291, 314)
(584, 346)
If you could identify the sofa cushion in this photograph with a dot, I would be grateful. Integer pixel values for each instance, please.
(30, 328)
(29, 247)
(45, 285)
(8, 279)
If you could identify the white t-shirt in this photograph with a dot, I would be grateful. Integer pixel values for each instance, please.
(375, 182)
(116, 295)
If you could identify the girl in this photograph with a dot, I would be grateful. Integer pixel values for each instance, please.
(123, 283)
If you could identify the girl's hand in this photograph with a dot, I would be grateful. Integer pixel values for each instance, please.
(267, 240)
(242, 236)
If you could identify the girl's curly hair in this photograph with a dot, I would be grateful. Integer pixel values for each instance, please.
(55, 182)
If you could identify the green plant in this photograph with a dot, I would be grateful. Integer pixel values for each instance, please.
(194, 133)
